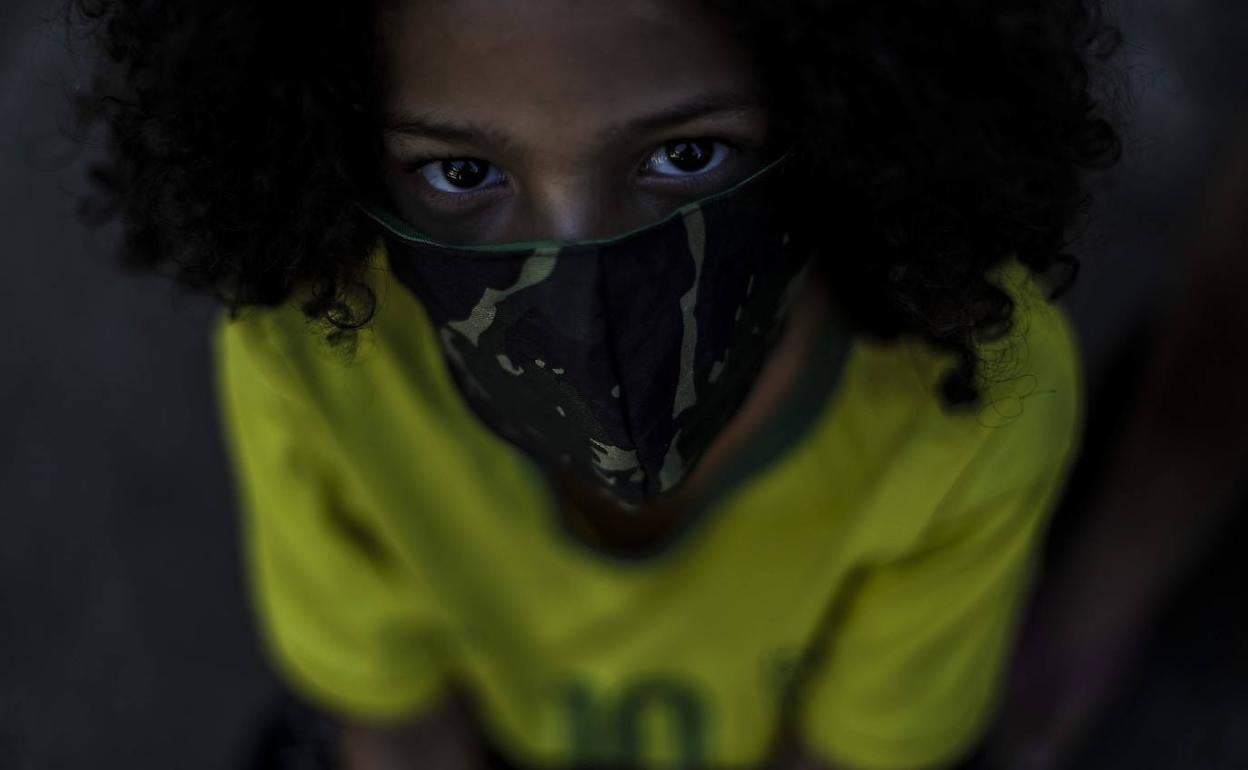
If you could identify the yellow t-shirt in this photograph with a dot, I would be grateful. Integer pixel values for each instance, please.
(861, 573)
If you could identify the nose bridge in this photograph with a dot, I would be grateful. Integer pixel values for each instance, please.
(571, 209)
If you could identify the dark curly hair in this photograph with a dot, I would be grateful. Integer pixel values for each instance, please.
(945, 135)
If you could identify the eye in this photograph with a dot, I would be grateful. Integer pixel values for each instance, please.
(460, 175)
(686, 157)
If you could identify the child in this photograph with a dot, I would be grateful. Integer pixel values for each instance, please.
(671, 382)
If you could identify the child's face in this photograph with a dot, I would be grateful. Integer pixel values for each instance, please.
(568, 119)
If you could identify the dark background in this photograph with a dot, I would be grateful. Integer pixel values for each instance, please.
(126, 639)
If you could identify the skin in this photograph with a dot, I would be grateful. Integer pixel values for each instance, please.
(550, 94)
(568, 102)
(567, 108)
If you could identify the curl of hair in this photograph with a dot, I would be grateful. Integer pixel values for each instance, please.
(940, 138)
(937, 139)
(238, 133)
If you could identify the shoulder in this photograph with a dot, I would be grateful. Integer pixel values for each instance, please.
(1030, 421)
(394, 363)
(255, 350)
(292, 351)
(1024, 431)
(1035, 364)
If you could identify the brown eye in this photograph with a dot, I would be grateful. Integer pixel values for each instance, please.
(460, 175)
(689, 156)
(464, 172)
(686, 157)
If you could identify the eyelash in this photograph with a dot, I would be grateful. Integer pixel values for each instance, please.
(465, 199)
(693, 181)
(448, 200)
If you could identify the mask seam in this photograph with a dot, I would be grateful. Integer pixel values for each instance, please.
(614, 357)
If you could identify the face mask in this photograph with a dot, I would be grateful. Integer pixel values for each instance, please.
(620, 359)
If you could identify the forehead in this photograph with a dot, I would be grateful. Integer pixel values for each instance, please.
(526, 61)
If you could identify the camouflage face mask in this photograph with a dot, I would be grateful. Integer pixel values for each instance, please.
(618, 359)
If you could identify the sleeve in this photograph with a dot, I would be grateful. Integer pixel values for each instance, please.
(912, 671)
(339, 618)
(917, 647)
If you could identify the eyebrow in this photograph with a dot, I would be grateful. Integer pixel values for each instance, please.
(434, 126)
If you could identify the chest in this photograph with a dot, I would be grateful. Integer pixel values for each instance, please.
(680, 657)
(678, 651)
